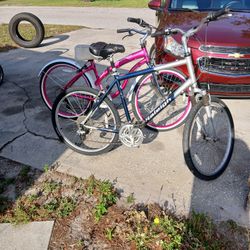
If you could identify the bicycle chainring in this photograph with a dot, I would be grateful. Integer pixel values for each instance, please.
(131, 136)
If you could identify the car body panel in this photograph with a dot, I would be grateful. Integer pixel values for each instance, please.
(227, 41)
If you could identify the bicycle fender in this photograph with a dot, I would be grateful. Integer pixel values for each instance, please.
(90, 78)
(131, 90)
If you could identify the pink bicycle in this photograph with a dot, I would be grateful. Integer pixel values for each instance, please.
(62, 74)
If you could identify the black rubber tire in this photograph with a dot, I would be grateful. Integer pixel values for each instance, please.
(187, 133)
(61, 137)
(1, 75)
(32, 19)
(50, 67)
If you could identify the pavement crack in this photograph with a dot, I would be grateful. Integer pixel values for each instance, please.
(26, 101)
(43, 136)
(26, 118)
(12, 140)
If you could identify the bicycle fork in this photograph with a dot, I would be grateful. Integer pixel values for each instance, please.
(206, 99)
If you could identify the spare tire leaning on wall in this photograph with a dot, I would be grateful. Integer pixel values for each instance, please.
(14, 30)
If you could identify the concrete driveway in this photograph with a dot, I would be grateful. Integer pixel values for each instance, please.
(155, 172)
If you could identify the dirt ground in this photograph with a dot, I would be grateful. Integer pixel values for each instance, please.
(90, 214)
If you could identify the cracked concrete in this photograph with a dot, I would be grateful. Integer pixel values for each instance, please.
(154, 172)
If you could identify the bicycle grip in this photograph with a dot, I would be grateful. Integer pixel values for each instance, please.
(215, 15)
(123, 30)
(134, 20)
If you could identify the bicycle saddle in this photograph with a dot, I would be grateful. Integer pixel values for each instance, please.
(104, 50)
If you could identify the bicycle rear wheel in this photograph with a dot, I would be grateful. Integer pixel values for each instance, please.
(208, 142)
(100, 132)
(146, 98)
(54, 78)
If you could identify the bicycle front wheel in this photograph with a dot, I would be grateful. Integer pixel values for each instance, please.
(147, 97)
(98, 134)
(54, 79)
(208, 139)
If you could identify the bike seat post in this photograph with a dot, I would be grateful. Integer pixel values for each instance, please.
(112, 64)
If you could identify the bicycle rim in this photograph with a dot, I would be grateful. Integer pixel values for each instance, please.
(211, 140)
(148, 98)
(99, 132)
(53, 81)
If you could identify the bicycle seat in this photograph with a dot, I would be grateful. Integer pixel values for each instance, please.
(104, 50)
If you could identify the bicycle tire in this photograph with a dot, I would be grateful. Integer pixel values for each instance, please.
(204, 151)
(18, 38)
(146, 98)
(75, 100)
(53, 79)
(1, 75)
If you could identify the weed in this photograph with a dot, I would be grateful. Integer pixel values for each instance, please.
(131, 198)
(66, 207)
(51, 186)
(52, 206)
(200, 223)
(140, 237)
(46, 168)
(60, 207)
(108, 194)
(32, 197)
(24, 173)
(232, 224)
(80, 243)
(20, 215)
(91, 185)
(201, 231)
(108, 197)
(174, 231)
(100, 210)
(109, 233)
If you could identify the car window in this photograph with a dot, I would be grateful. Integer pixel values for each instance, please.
(191, 4)
(208, 4)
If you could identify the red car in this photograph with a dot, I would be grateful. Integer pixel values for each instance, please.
(221, 50)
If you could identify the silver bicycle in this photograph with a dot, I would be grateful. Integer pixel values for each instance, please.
(94, 126)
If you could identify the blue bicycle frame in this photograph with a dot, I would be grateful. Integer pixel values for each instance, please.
(190, 82)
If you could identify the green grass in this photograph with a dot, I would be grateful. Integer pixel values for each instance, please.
(26, 30)
(78, 3)
(148, 228)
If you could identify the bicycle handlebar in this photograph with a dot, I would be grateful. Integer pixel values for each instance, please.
(215, 15)
(123, 30)
(139, 21)
(166, 32)
(130, 31)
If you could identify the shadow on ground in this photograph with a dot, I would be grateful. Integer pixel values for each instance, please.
(53, 40)
(27, 136)
(227, 195)
(26, 130)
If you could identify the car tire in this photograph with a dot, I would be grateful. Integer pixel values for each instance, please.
(34, 21)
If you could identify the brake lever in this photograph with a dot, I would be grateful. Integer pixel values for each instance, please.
(129, 34)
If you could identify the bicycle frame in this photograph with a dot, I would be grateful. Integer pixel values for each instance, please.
(189, 83)
(140, 54)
